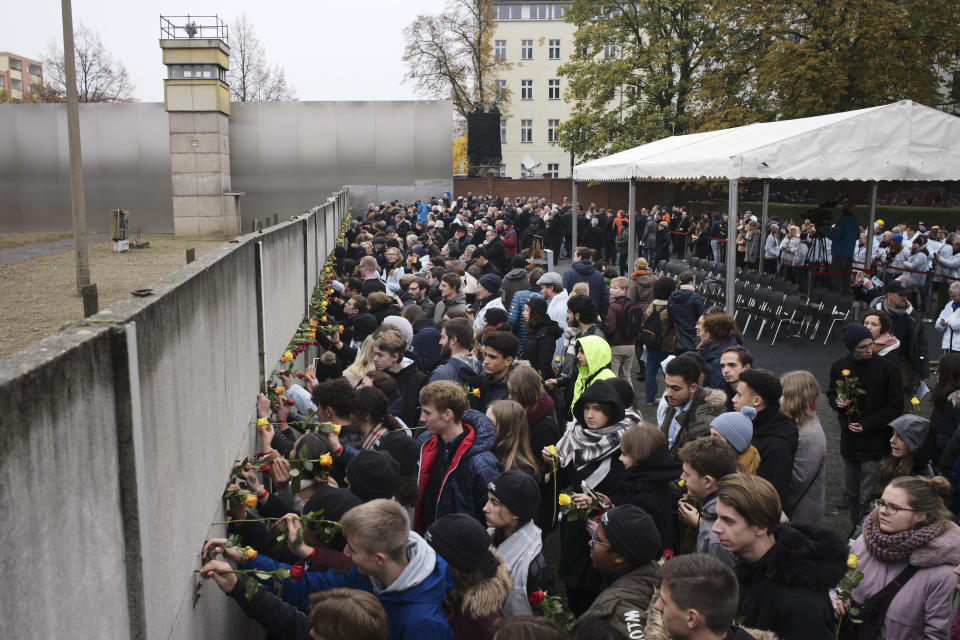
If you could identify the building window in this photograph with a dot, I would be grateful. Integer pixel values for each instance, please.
(501, 86)
(508, 12)
(553, 89)
(559, 10)
(539, 12)
(34, 69)
(552, 130)
(610, 50)
(501, 171)
(15, 64)
(526, 49)
(554, 49)
(553, 170)
(526, 131)
(195, 71)
(16, 84)
(526, 89)
(500, 49)
(503, 130)
(3, 82)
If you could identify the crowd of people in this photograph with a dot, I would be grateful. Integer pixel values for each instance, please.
(465, 406)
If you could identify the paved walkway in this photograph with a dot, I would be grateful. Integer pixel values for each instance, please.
(19, 254)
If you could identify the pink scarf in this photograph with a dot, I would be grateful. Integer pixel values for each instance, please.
(897, 546)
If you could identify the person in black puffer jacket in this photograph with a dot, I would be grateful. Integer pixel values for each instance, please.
(946, 403)
(785, 572)
(542, 334)
(646, 479)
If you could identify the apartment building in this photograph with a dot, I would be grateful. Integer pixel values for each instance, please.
(534, 38)
(18, 74)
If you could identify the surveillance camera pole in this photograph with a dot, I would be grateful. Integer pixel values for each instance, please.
(73, 140)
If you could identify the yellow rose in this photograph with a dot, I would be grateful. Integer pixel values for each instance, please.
(476, 392)
(563, 500)
(250, 552)
(288, 354)
(262, 422)
(552, 450)
(335, 428)
(682, 483)
(326, 460)
(250, 500)
(853, 561)
(279, 390)
(914, 401)
(845, 372)
(323, 319)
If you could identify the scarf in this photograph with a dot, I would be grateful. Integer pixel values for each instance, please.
(583, 447)
(885, 343)
(897, 546)
(375, 434)
(638, 273)
(538, 411)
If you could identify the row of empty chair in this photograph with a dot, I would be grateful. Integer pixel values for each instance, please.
(770, 300)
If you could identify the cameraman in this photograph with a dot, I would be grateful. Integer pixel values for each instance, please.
(843, 237)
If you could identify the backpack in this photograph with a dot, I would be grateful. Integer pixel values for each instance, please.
(651, 333)
(630, 322)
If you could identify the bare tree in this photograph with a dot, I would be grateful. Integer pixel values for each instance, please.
(250, 77)
(99, 77)
(450, 55)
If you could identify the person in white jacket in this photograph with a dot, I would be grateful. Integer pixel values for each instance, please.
(949, 321)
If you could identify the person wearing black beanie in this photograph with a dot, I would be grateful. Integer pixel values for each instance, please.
(864, 420)
(775, 435)
(372, 474)
(481, 582)
(624, 548)
(513, 498)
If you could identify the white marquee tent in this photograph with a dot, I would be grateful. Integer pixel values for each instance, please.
(899, 141)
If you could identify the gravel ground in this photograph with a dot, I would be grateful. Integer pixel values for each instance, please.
(40, 294)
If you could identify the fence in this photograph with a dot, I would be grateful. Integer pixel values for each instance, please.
(118, 434)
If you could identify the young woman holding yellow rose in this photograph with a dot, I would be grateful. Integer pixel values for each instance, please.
(588, 454)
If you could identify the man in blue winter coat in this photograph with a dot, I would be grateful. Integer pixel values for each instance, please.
(456, 461)
(684, 307)
(393, 563)
(582, 270)
(843, 237)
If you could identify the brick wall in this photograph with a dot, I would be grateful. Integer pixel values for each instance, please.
(603, 194)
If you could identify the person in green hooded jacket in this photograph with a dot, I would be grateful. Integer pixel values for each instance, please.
(593, 363)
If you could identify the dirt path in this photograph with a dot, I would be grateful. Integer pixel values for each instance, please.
(39, 294)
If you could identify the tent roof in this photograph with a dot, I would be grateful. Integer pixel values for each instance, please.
(899, 141)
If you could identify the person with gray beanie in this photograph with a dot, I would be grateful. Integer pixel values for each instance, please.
(865, 419)
(624, 550)
(775, 435)
(911, 447)
(736, 427)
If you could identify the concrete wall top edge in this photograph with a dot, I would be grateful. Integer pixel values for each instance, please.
(73, 335)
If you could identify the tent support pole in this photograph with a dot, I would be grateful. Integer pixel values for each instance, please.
(632, 213)
(732, 247)
(764, 222)
(868, 259)
(574, 209)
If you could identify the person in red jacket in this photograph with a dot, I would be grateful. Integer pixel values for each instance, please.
(509, 237)
(621, 347)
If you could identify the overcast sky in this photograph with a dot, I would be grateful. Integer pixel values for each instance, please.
(331, 50)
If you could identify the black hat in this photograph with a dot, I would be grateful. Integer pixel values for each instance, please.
(632, 533)
(464, 543)
(334, 502)
(372, 475)
(363, 325)
(379, 240)
(896, 286)
(765, 384)
(538, 304)
(600, 391)
(403, 449)
(518, 491)
(698, 358)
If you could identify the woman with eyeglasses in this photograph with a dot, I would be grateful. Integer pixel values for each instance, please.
(908, 537)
